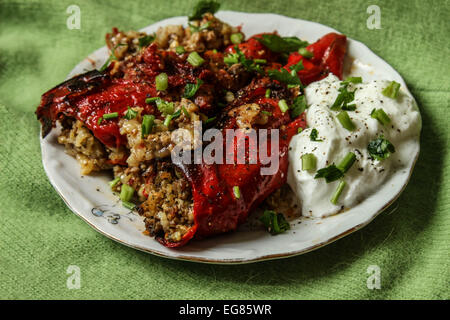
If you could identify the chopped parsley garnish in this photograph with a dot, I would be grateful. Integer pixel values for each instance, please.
(297, 67)
(131, 114)
(203, 7)
(146, 40)
(163, 106)
(111, 57)
(330, 173)
(194, 28)
(299, 106)
(191, 88)
(266, 112)
(282, 44)
(274, 222)
(249, 64)
(345, 97)
(391, 91)
(380, 148)
(333, 172)
(313, 135)
(284, 76)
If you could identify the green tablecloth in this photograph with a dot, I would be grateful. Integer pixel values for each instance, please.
(40, 237)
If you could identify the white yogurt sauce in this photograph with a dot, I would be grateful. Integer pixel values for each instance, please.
(366, 174)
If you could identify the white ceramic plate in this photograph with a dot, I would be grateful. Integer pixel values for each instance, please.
(91, 198)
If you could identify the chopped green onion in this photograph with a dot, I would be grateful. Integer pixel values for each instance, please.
(391, 91)
(299, 130)
(261, 61)
(352, 80)
(345, 121)
(99, 121)
(131, 114)
(186, 113)
(308, 161)
(283, 105)
(274, 222)
(114, 182)
(195, 59)
(236, 38)
(128, 205)
(305, 53)
(266, 112)
(126, 193)
(338, 192)
(230, 60)
(180, 50)
(209, 120)
(268, 92)
(167, 120)
(161, 81)
(237, 192)
(381, 116)
(347, 162)
(110, 115)
(215, 51)
(164, 106)
(147, 124)
(150, 100)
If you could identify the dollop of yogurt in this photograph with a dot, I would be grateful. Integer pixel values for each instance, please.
(366, 173)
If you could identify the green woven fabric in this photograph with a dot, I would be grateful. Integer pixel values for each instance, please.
(40, 237)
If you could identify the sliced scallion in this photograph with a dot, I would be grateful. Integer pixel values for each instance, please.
(391, 91)
(268, 92)
(128, 205)
(347, 162)
(236, 38)
(236, 192)
(345, 121)
(161, 81)
(110, 115)
(195, 59)
(150, 100)
(114, 182)
(283, 105)
(381, 116)
(309, 161)
(147, 124)
(186, 113)
(180, 50)
(126, 193)
(338, 192)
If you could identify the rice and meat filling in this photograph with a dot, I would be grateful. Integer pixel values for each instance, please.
(164, 194)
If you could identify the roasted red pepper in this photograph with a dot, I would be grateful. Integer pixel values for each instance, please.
(328, 56)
